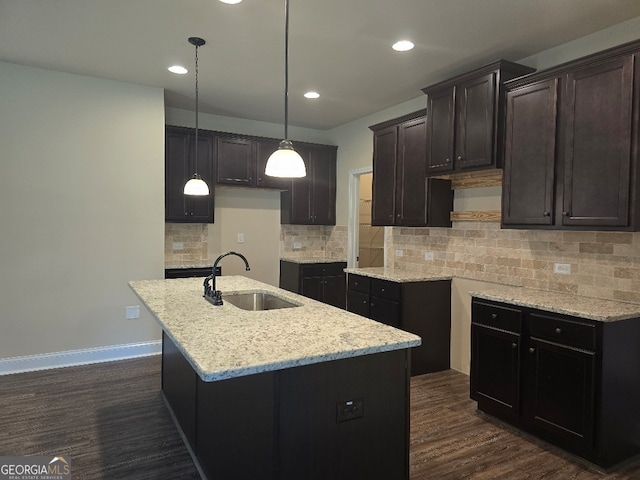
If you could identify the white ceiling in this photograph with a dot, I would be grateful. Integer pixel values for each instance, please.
(341, 48)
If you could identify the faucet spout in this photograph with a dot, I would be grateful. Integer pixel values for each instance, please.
(210, 290)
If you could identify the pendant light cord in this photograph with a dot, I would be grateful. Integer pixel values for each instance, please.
(286, 69)
(196, 146)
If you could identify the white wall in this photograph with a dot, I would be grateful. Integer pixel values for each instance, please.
(81, 209)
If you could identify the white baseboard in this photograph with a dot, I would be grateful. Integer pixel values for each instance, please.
(46, 361)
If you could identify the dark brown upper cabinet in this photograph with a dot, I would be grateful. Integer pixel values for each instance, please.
(402, 195)
(180, 165)
(311, 200)
(465, 119)
(571, 149)
(241, 162)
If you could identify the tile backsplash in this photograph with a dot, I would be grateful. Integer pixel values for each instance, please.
(185, 244)
(603, 264)
(315, 241)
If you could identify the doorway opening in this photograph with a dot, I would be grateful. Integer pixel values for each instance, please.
(365, 242)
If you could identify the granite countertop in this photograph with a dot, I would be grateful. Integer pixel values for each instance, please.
(585, 307)
(311, 260)
(225, 342)
(396, 275)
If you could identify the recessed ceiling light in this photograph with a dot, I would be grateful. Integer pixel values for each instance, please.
(231, 2)
(178, 69)
(403, 46)
(311, 95)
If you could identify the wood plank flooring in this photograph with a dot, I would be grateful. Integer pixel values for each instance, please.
(111, 420)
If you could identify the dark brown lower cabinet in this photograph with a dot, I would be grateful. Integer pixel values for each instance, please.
(341, 420)
(324, 282)
(422, 308)
(570, 381)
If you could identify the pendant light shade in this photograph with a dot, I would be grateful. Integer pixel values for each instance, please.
(285, 162)
(196, 186)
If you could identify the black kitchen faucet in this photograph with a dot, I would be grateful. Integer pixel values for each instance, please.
(210, 290)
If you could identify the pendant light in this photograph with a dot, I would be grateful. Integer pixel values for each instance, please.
(196, 186)
(285, 161)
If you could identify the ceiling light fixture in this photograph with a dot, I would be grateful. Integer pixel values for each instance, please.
(285, 162)
(231, 2)
(403, 46)
(312, 95)
(196, 186)
(180, 70)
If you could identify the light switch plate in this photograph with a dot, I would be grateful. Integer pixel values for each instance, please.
(399, 253)
(177, 246)
(297, 246)
(241, 238)
(429, 256)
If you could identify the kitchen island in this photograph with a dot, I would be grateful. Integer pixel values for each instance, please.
(309, 391)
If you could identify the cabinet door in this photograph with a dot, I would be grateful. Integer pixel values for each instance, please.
(334, 290)
(179, 167)
(475, 111)
(495, 370)
(358, 302)
(299, 196)
(385, 311)
(385, 146)
(597, 144)
(560, 400)
(323, 199)
(176, 174)
(440, 125)
(528, 184)
(264, 149)
(312, 287)
(411, 206)
(201, 208)
(236, 162)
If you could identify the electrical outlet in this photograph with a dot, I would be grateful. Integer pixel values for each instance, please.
(297, 246)
(399, 253)
(562, 268)
(429, 256)
(177, 246)
(349, 410)
(241, 238)
(132, 312)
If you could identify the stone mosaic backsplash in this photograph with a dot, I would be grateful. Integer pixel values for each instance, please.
(603, 264)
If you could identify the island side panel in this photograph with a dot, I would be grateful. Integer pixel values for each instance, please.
(236, 427)
(179, 388)
(319, 440)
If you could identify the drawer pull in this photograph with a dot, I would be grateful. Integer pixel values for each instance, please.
(558, 330)
(494, 315)
(364, 302)
(514, 345)
(382, 289)
(532, 350)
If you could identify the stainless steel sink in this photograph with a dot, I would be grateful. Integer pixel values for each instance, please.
(255, 301)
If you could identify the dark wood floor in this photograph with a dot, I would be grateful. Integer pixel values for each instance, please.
(111, 421)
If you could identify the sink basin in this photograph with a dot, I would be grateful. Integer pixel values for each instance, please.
(256, 301)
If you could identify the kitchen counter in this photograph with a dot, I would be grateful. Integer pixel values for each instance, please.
(225, 342)
(397, 275)
(585, 307)
(312, 260)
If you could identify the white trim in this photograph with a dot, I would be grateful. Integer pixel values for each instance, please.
(354, 203)
(46, 361)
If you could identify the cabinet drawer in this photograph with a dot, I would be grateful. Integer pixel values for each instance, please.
(359, 283)
(497, 316)
(385, 311)
(358, 302)
(385, 289)
(322, 269)
(564, 331)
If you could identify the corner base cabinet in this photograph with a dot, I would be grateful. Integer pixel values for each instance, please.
(422, 308)
(568, 380)
(341, 420)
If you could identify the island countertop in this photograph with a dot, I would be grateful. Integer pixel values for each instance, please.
(225, 341)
